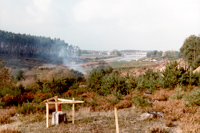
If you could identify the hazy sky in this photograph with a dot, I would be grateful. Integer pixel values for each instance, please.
(105, 24)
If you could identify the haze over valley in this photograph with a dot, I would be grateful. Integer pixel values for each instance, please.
(99, 66)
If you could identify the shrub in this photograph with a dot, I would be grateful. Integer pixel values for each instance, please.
(178, 95)
(149, 80)
(39, 97)
(131, 82)
(140, 101)
(95, 76)
(194, 97)
(11, 96)
(57, 86)
(195, 79)
(28, 108)
(6, 114)
(78, 75)
(171, 75)
(9, 99)
(113, 83)
(19, 75)
(6, 80)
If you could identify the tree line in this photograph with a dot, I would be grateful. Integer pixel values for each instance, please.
(170, 54)
(23, 45)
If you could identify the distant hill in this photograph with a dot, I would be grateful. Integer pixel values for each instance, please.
(18, 46)
(22, 45)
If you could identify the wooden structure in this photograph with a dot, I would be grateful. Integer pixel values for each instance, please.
(58, 101)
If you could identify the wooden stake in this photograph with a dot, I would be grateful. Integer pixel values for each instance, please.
(56, 104)
(116, 121)
(47, 115)
(73, 112)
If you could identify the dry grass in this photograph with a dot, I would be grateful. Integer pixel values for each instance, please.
(158, 130)
(161, 95)
(6, 114)
(28, 83)
(95, 122)
(124, 104)
(33, 117)
(175, 110)
(30, 74)
(55, 73)
(9, 131)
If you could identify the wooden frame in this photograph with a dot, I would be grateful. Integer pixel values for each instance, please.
(59, 101)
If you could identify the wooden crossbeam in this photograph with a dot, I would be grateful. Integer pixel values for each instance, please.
(60, 99)
(53, 98)
(62, 102)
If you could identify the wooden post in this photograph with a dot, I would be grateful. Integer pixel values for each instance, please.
(116, 121)
(56, 104)
(73, 112)
(47, 115)
(190, 74)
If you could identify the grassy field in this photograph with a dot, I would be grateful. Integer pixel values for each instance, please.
(129, 65)
(94, 55)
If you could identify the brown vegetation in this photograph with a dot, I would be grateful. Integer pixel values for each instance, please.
(176, 110)
(9, 131)
(6, 114)
(161, 95)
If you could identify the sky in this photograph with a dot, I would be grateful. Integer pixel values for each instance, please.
(105, 24)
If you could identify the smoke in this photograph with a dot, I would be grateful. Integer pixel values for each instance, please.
(71, 60)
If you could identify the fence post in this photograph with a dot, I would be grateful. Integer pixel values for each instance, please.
(47, 115)
(116, 121)
(73, 112)
(56, 104)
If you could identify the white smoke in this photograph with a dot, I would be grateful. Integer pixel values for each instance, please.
(70, 63)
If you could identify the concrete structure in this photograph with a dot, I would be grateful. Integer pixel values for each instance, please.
(58, 117)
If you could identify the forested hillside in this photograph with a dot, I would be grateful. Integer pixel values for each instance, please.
(22, 45)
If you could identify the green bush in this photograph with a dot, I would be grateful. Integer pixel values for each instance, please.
(11, 96)
(114, 100)
(113, 83)
(140, 101)
(131, 82)
(27, 108)
(95, 76)
(172, 75)
(194, 97)
(57, 86)
(149, 80)
(19, 75)
(6, 80)
(195, 79)
(178, 95)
